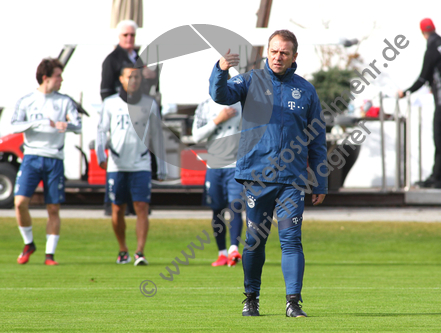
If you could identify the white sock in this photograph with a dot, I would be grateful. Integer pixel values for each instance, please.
(233, 248)
(224, 252)
(51, 243)
(26, 233)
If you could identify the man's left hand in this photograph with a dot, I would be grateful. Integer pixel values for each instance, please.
(317, 199)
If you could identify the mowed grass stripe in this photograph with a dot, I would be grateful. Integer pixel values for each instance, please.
(216, 288)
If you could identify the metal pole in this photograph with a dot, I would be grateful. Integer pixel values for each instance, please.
(408, 144)
(420, 146)
(397, 146)
(263, 16)
(383, 152)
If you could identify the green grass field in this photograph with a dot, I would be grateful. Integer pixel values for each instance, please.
(360, 277)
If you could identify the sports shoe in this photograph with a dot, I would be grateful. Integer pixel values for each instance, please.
(50, 260)
(221, 261)
(293, 308)
(428, 183)
(251, 307)
(23, 258)
(233, 258)
(140, 260)
(123, 258)
(436, 184)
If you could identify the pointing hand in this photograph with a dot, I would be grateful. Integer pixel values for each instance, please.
(229, 60)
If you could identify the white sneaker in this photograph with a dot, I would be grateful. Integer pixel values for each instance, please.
(140, 260)
(123, 258)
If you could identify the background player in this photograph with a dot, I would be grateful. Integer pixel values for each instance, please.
(220, 125)
(43, 116)
(128, 167)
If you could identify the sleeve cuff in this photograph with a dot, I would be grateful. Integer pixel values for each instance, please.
(211, 125)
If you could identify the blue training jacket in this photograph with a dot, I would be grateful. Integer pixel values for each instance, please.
(283, 128)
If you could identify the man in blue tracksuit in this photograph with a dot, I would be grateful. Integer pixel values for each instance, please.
(283, 141)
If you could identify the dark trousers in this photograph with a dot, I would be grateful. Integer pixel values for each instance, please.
(436, 172)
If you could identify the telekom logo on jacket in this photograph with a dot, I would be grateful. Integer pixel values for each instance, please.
(291, 105)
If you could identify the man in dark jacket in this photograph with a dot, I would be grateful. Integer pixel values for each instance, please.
(125, 53)
(431, 72)
(283, 130)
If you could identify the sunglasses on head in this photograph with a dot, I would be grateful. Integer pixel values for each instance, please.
(125, 35)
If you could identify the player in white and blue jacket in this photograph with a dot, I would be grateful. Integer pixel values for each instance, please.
(283, 131)
(133, 120)
(43, 116)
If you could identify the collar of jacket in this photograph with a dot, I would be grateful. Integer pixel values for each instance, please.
(121, 50)
(132, 99)
(285, 77)
(432, 38)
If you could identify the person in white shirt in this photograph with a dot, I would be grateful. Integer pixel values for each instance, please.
(129, 116)
(220, 126)
(125, 53)
(44, 116)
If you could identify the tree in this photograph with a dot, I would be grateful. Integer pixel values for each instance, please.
(330, 83)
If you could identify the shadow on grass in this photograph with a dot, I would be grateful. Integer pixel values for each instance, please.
(208, 264)
(112, 263)
(239, 266)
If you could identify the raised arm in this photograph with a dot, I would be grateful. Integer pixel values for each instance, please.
(222, 90)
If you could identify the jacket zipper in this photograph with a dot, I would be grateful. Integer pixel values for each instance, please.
(281, 127)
